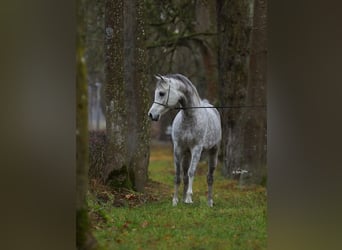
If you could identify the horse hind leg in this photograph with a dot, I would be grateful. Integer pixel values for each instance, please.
(185, 166)
(177, 162)
(212, 162)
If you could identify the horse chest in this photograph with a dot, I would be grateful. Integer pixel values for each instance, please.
(188, 131)
(188, 135)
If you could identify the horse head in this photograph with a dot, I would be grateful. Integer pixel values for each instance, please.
(166, 97)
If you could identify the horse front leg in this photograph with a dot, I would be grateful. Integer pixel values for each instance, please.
(195, 157)
(212, 162)
(177, 162)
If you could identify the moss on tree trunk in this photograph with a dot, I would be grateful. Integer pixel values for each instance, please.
(84, 239)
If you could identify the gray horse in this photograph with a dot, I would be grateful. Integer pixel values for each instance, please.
(193, 130)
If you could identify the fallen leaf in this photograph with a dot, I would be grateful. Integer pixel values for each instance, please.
(144, 224)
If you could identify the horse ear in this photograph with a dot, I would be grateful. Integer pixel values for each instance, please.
(163, 81)
(159, 77)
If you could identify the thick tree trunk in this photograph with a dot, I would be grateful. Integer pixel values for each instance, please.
(84, 239)
(127, 99)
(233, 27)
(115, 169)
(137, 94)
(255, 128)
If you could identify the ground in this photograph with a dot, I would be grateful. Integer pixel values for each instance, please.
(123, 219)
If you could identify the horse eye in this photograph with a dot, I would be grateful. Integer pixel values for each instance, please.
(161, 94)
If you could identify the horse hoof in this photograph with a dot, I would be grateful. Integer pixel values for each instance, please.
(174, 202)
(188, 200)
(210, 203)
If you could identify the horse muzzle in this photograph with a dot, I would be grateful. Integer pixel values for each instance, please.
(153, 117)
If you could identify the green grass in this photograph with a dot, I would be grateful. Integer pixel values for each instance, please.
(237, 220)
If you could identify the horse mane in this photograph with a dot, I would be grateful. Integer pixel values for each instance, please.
(188, 84)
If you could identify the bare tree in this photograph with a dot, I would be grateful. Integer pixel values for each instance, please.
(126, 93)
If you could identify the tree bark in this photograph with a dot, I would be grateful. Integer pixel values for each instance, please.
(255, 128)
(206, 24)
(233, 27)
(126, 92)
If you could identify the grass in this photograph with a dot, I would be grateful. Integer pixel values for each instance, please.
(149, 221)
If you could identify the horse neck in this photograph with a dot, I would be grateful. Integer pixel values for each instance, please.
(190, 98)
(191, 101)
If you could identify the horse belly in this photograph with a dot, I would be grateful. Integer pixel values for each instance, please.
(188, 137)
(214, 133)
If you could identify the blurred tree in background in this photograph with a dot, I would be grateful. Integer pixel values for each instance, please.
(84, 238)
(94, 40)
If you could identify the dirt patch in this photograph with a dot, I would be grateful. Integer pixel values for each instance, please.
(154, 192)
(123, 197)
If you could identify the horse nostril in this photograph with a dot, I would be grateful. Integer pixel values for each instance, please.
(150, 115)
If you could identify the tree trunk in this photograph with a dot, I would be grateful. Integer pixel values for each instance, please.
(84, 238)
(127, 99)
(255, 129)
(205, 23)
(233, 27)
